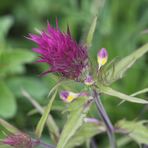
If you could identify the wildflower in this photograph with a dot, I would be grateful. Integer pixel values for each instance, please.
(60, 52)
(89, 81)
(19, 140)
(68, 96)
(102, 57)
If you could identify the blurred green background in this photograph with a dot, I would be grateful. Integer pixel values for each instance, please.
(122, 27)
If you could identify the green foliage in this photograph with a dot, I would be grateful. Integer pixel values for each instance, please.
(111, 92)
(137, 130)
(42, 121)
(12, 61)
(84, 133)
(5, 24)
(6, 129)
(75, 120)
(117, 70)
(52, 127)
(7, 101)
(91, 32)
(34, 86)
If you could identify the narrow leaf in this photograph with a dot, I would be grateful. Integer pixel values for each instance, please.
(6, 129)
(91, 32)
(85, 132)
(8, 126)
(75, 120)
(52, 127)
(136, 93)
(140, 92)
(112, 92)
(136, 130)
(41, 123)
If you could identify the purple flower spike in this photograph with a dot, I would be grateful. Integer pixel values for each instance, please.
(60, 52)
(102, 57)
(19, 140)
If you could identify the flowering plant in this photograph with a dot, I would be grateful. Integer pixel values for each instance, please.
(70, 60)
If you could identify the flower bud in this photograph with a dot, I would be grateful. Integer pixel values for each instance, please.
(102, 57)
(89, 81)
(68, 96)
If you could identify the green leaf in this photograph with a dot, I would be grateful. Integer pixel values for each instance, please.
(34, 86)
(51, 124)
(84, 133)
(11, 61)
(5, 24)
(117, 70)
(140, 92)
(112, 92)
(135, 129)
(42, 121)
(136, 93)
(91, 31)
(123, 141)
(8, 126)
(7, 101)
(75, 120)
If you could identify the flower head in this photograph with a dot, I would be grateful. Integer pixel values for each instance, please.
(60, 52)
(102, 57)
(19, 140)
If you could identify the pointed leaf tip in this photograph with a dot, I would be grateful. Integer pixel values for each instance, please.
(42, 121)
(112, 92)
(91, 32)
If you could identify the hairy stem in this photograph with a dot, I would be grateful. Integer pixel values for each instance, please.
(105, 118)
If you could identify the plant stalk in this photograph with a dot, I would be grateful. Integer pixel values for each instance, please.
(105, 118)
(44, 145)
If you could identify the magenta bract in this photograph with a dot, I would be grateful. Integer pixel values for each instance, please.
(19, 140)
(61, 52)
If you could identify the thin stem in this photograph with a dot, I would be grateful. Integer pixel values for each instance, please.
(105, 118)
(44, 145)
(93, 144)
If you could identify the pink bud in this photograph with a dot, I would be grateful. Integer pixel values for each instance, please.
(89, 81)
(102, 57)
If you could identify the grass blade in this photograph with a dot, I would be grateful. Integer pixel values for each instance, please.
(42, 121)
